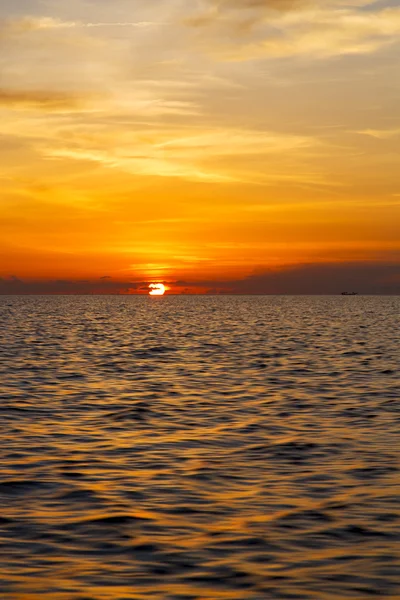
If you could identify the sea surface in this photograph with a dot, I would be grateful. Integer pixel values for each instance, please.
(193, 448)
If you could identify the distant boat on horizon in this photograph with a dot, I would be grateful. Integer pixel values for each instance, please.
(349, 293)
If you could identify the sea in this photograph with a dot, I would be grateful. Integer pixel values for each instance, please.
(199, 447)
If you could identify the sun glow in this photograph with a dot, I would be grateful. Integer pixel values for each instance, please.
(156, 289)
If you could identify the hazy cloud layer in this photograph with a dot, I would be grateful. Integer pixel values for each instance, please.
(330, 278)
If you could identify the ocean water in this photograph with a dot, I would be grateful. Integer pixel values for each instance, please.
(199, 448)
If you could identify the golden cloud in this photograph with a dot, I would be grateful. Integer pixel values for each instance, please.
(255, 29)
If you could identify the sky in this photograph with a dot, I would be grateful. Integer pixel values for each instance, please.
(218, 146)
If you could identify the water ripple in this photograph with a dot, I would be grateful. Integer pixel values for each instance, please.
(191, 448)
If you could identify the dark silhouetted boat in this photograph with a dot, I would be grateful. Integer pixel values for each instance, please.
(349, 293)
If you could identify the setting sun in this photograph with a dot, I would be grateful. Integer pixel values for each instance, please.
(157, 289)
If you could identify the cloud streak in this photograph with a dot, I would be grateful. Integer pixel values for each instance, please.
(381, 134)
(28, 23)
(49, 101)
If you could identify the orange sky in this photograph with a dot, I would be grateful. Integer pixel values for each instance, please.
(211, 144)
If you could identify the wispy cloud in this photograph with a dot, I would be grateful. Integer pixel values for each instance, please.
(191, 156)
(381, 134)
(142, 165)
(30, 23)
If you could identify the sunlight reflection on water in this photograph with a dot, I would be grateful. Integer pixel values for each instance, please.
(199, 447)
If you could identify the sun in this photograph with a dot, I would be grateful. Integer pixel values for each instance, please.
(156, 289)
